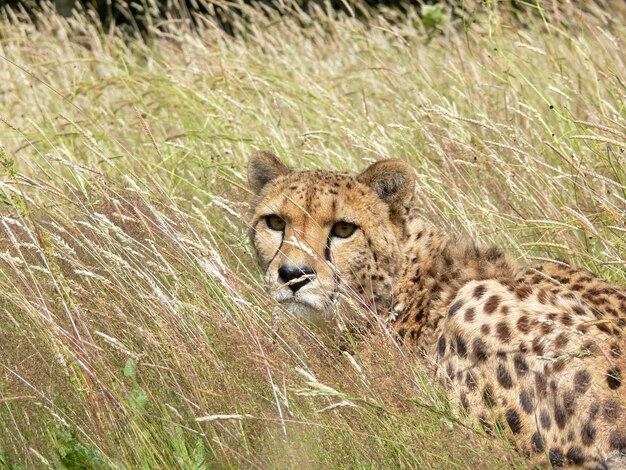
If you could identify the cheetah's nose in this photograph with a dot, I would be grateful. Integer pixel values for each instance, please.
(288, 274)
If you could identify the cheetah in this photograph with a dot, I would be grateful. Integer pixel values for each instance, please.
(537, 353)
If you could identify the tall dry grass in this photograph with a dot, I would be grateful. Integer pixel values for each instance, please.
(134, 330)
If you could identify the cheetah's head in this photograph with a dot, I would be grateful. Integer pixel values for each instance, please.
(325, 237)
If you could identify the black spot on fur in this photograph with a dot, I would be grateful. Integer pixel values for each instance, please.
(553, 386)
(503, 377)
(479, 290)
(526, 401)
(542, 296)
(461, 348)
(493, 254)
(419, 315)
(560, 418)
(455, 308)
(536, 442)
(561, 341)
(569, 402)
(537, 346)
(556, 457)
(470, 314)
(450, 371)
(502, 332)
(567, 319)
(613, 378)
(617, 440)
(492, 304)
(605, 328)
(582, 381)
(590, 347)
(520, 364)
(541, 385)
(523, 291)
(512, 418)
(536, 279)
(615, 351)
(523, 324)
(547, 328)
(441, 346)
(544, 419)
(588, 434)
(479, 349)
(575, 455)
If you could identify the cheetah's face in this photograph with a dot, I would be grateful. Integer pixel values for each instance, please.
(324, 238)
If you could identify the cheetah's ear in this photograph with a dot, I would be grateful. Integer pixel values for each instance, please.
(264, 167)
(393, 181)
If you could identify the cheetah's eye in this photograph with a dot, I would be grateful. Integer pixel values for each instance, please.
(343, 229)
(275, 222)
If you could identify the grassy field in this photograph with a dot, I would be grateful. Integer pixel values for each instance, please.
(134, 330)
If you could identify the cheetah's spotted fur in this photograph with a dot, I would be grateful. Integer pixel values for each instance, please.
(538, 352)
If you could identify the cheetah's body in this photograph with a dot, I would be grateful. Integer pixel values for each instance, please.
(539, 352)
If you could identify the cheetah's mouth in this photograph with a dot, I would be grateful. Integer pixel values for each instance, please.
(311, 300)
(312, 307)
